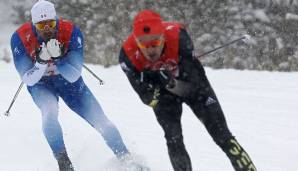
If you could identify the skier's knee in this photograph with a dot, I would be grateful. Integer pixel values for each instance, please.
(219, 132)
(178, 154)
(49, 118)
(223, 140)
(175, 143)
(49, 111)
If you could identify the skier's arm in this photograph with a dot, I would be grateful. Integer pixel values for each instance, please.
(145, 90)
(187, 60)
(29, 72)
(185, 44)
(70, 65)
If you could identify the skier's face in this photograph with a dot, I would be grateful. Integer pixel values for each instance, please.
(151, 46)
(46, 29)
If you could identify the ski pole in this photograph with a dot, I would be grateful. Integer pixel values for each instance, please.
(244, 38)
(14, 99)
(101, 82)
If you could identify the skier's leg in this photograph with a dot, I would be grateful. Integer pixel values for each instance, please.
(168, 113)
(47, 102)
(208, 110)
(80, 99)
(64, 161)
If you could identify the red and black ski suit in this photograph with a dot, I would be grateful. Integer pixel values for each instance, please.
(197, 93)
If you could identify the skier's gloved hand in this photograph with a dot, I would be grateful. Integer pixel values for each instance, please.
(54, 48)
(160, 78)
(43, 56)
(165, 78)
(148, 76)
(155, 97)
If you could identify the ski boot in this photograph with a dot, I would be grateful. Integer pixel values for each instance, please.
(64, 162)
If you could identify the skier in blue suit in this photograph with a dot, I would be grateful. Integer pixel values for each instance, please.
(48, 55)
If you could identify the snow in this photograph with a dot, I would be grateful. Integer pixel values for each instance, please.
(261, 15)
(290, 16)
(260, 107)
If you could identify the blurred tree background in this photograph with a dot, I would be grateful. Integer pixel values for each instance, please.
(271, 23)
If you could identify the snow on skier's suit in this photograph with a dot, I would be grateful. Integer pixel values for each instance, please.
(60, 78)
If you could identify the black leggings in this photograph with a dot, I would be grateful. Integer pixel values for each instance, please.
(207, 108)
(168, 114)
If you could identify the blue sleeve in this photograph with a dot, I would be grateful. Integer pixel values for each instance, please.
(22, 61)
(70, 66)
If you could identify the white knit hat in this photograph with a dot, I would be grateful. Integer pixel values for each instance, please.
(43, 10)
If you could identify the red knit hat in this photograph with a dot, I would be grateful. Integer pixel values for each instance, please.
(147, 22)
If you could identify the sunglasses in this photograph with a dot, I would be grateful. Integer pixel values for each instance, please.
(152, 43)
(43, 24)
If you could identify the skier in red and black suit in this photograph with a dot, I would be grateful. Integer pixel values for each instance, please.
(158, 60)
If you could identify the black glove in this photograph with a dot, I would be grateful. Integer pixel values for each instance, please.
(165, 78)
(149, 76)
(160, 78)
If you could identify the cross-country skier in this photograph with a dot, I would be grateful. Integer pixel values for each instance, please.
(158, 60)
(48, 55)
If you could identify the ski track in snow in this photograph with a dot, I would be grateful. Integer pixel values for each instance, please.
(260, 107)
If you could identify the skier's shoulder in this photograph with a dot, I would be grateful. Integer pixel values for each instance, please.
(129, 43)
(125, 62)
(185, 42)
(24, 28)
(77, 32)
(15, 38)
(68, 26)
(15, 41)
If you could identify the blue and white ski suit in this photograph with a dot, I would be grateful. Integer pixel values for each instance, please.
(47, 82)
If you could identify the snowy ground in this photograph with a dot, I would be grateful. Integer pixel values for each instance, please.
(260, 107)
